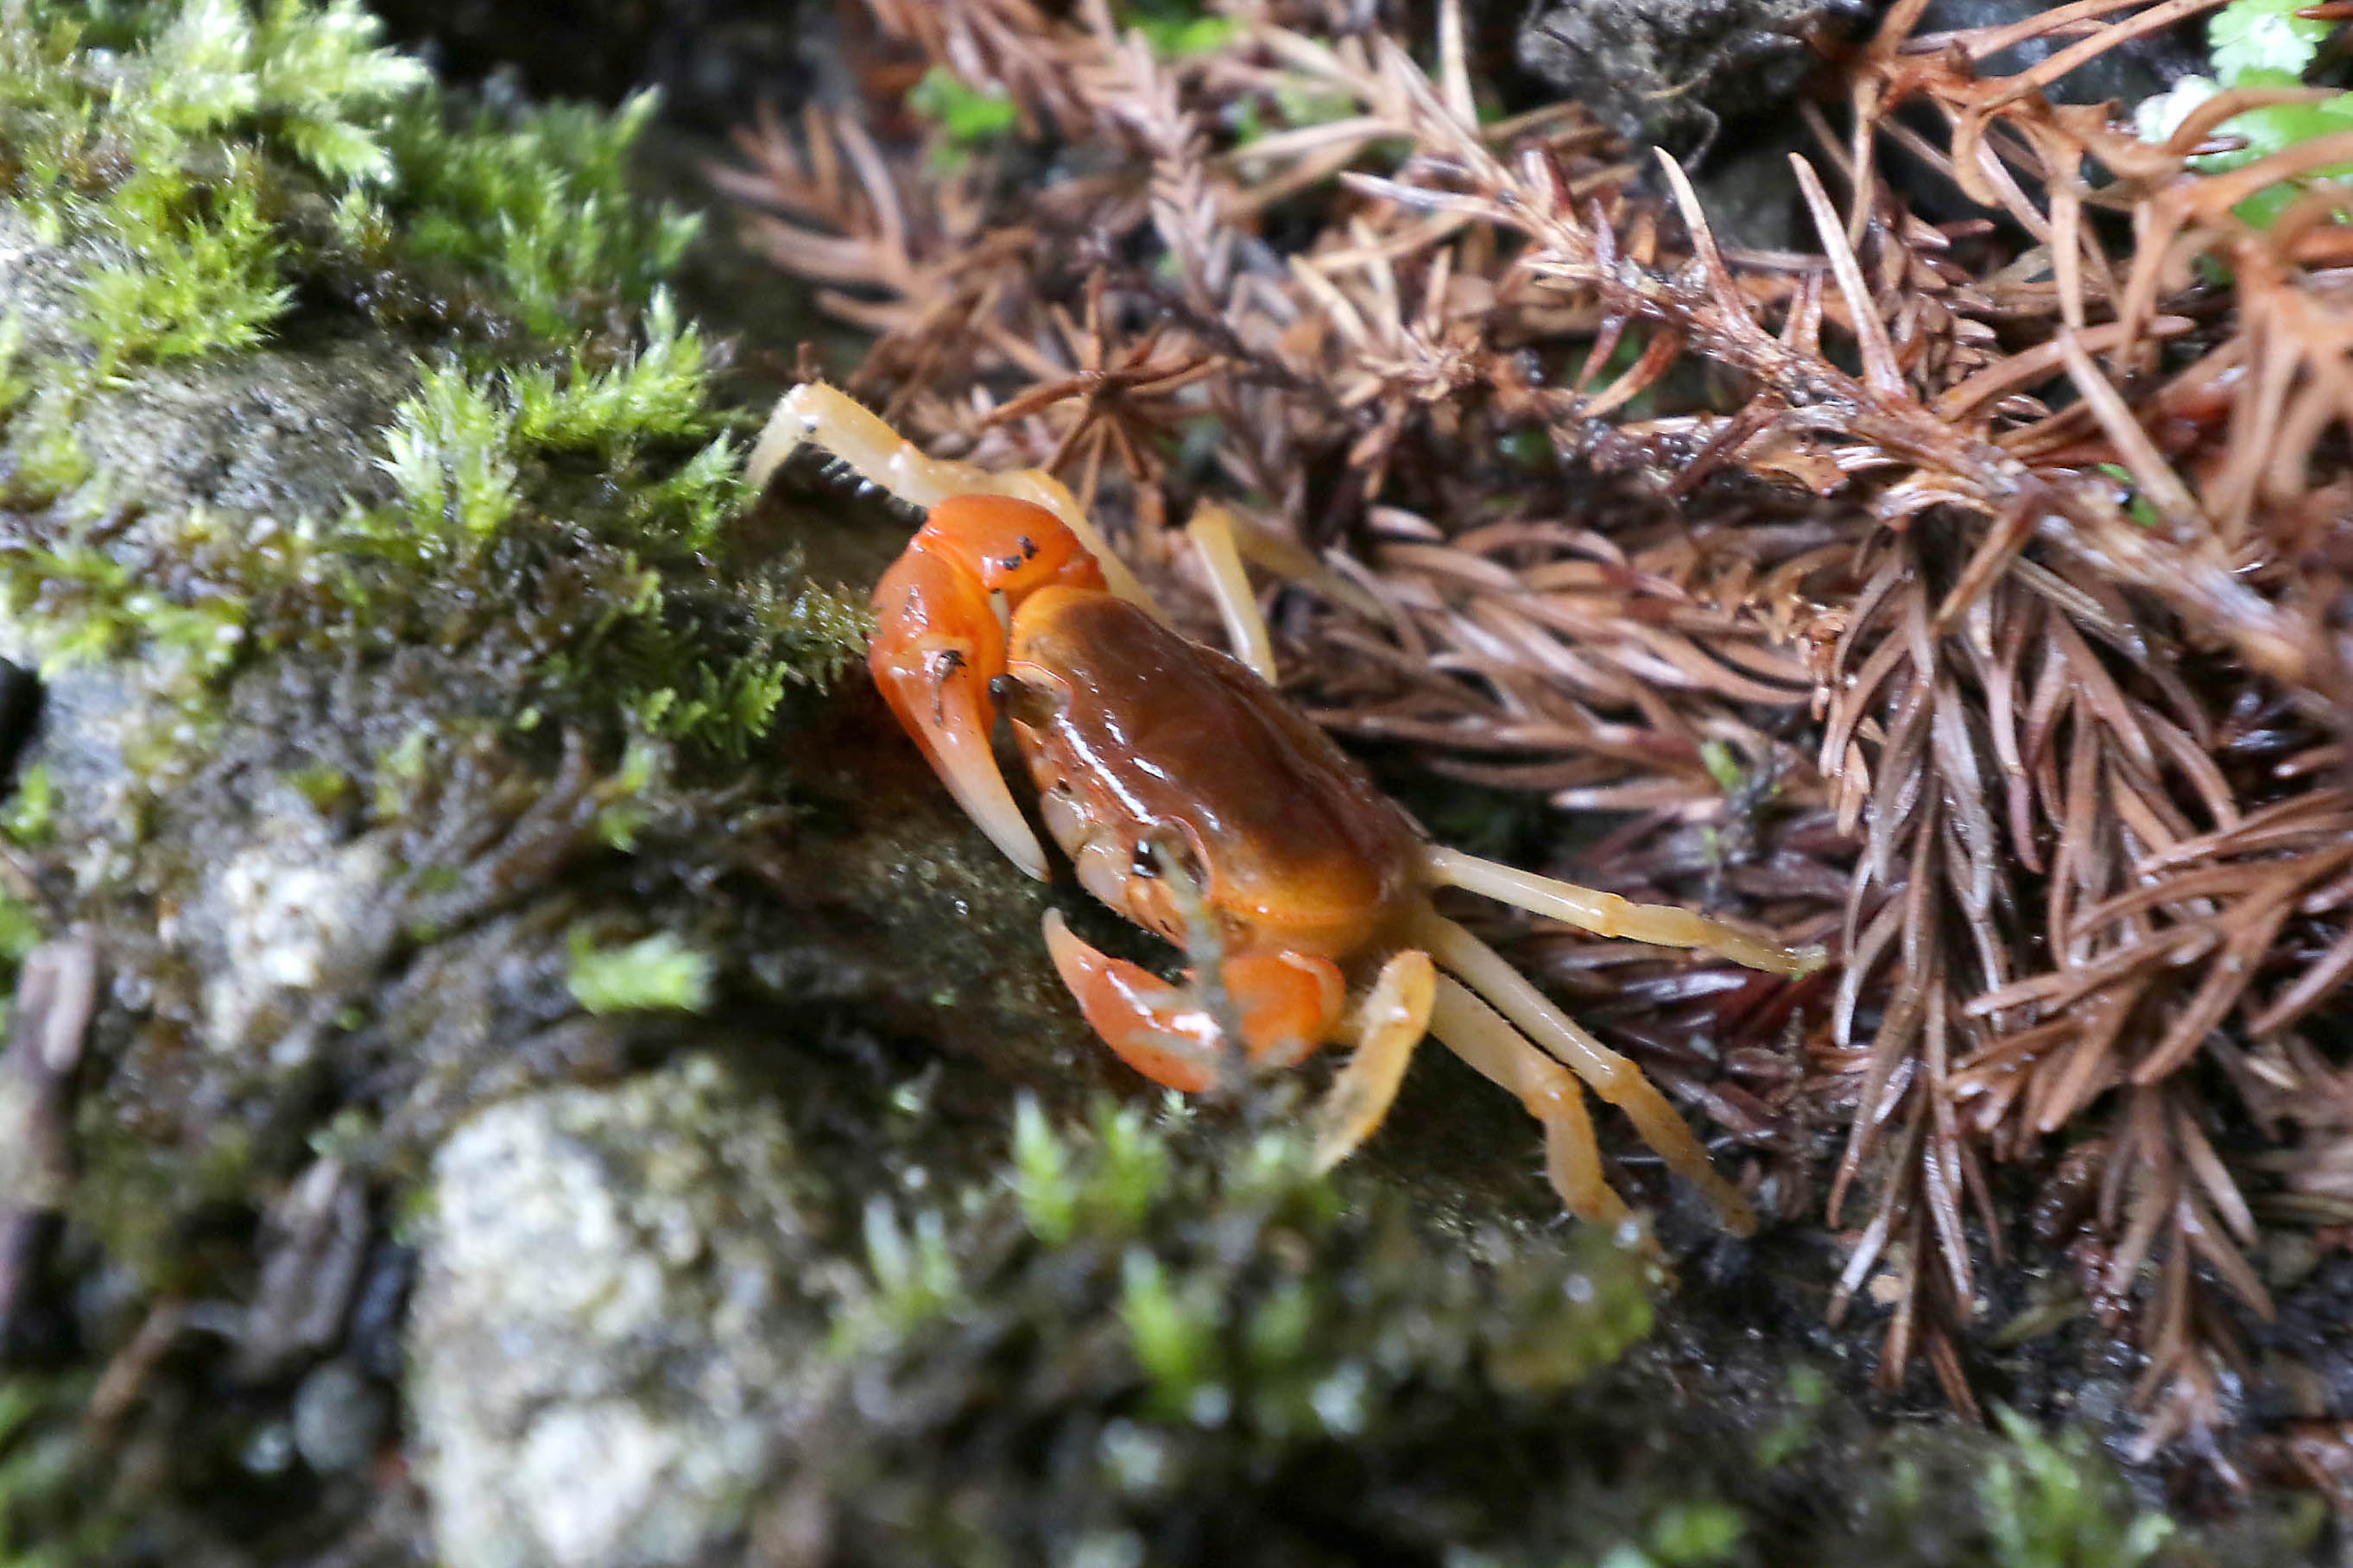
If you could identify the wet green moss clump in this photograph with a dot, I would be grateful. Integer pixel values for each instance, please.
(1156, 1343)
(197, 180)
(361, 493)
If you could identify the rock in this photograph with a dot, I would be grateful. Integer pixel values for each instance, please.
(1671, 71)
(341, 1419)
(610, 1323)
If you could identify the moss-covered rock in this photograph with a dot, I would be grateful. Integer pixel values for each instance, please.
(360, 493)
(1150, 1341)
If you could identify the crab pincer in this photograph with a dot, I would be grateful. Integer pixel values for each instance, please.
(938, 646)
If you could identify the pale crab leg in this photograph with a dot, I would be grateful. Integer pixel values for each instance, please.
(1225, 542)
(1293, 562)
(826, 417)
(1607, 914)
(1391, 1021)
(1611, 1075)
(1475, 1032)
(1212, 533)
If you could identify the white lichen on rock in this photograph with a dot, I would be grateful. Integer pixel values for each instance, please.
(604, 1338)
(279, 913)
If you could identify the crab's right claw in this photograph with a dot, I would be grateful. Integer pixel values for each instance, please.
(937, 645)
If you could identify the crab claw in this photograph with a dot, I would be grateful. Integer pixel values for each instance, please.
(1286, 1004)
(937, 645)
(938, 642)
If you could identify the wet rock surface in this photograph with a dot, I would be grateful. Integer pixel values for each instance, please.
(611, 1322)
(1672, 71)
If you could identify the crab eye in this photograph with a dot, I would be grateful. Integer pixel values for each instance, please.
(1026, 701)
(1143, 861)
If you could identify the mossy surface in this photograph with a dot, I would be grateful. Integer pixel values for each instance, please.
(361, 504)
(1146, 1338)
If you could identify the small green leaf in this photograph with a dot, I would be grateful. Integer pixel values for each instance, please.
(1042, 1181)
(2263, 35)
(1181, 38)
(1689, 1535)
(21, 929)
(659, 972)
(968, 115)
(2260, 133)
(28, 818)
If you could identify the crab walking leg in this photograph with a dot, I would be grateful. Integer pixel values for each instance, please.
(1607, 914)
(1212, 533)
(1390, 1023)
(1611, 1075)
(1295, 564)
(814, 414)
(1241, 540)
(1476, 1033)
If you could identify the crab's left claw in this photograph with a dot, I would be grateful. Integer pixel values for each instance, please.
(936, 647)
(1285, 1003)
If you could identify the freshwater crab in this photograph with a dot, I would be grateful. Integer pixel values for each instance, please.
(1196, 801)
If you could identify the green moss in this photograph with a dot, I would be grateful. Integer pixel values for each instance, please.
(967, 116)
(1041, 1176)
(916, 1278)
(45, 460)
(572, 401)
(29, 816)
(323, 784)
(95, 607)
(717, 688)
(448, 450)
(89, 86)
(538, 203)
(660, 391)
(49, 1517)
(1181, 1316)
(1173, 1330)
(1696, 1533)
(1177, 29)
(545, 536)
(21, 929)
(161, 149)
(2049, 1505)
(198, 278)
(659, 972)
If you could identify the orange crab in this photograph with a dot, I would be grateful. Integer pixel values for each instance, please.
(1193, 799)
